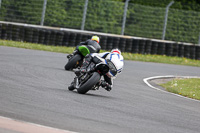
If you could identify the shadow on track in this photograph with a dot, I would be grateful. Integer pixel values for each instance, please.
(90, 94)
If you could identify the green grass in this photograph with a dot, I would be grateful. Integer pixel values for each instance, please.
(186, 87)
(59, 49)
(127, 56)
(162, 59)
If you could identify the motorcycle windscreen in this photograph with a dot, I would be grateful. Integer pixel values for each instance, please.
(113, 70)
(103, 68)
(84, 50)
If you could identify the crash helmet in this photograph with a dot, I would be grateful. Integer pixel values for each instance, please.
(95, 38)
(116, 50)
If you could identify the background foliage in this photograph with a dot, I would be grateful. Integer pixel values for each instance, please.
(145, 18)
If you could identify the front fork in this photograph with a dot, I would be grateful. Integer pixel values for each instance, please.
(76, 83)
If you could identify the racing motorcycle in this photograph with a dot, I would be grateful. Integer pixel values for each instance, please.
(75, 60)
(91, 79)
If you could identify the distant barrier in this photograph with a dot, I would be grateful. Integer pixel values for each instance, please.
(69, 37)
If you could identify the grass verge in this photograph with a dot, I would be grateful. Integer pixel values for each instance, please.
(127, 56)
(185, 87)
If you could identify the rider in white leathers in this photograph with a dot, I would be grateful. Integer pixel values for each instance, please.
(114, 56)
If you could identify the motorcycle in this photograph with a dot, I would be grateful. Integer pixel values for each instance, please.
(91, 79)
(75, 60)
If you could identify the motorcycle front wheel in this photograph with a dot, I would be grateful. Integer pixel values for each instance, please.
(72, 62)
(93, 80)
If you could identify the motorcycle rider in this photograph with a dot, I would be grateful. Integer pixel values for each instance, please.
(114, 56)
(92, 44)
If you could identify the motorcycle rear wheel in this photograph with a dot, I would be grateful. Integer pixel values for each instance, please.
(72, 62)
(93, 80)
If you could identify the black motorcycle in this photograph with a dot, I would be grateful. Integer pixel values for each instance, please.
(91, 79)
(75, 60)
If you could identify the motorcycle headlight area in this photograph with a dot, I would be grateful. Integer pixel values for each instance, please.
(112, 68)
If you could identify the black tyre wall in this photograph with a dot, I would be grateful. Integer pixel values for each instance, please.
(47, 37)
(0, 30)
(72, 39)
(128, 46)
(109, 45)
(148, 47)
(4, 30)
(78, 39)
(103, 42)
(135, 46)
(161, 48)
(169, 49)
(197, 53)
(66, 39)
(192, 52)
(35, 35)
(141, 46)
(116, 42)
(9, 31)
(175, 49)
(58, 37)
(41, 39)
(15, 33)
(122, 44)
(181, 50)
(154, 47)
(186, 51)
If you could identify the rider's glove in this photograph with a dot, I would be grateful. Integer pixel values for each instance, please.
(106, 85)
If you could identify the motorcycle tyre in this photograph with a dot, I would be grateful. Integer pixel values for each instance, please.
(93, 80)
(72, 62)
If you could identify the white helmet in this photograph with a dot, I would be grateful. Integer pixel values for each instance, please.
(115, 62)
(116, 51)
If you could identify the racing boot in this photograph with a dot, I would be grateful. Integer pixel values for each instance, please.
(71, 86)
(106, 85)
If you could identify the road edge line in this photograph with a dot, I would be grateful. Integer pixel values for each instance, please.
(168, 76)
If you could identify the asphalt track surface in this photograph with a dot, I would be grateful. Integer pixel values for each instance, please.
(33, 88)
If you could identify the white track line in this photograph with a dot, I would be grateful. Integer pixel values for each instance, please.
(169, 76)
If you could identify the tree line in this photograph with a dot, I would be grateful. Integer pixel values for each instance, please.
(145, 18)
